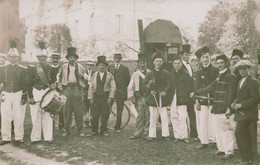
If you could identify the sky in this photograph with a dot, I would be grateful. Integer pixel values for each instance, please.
(187, 14)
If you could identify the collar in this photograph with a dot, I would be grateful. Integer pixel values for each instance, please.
(205, 66)
(244, 78)
(184, 62)
(223, 71)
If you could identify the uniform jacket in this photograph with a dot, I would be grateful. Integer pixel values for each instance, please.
(34, 81)
(134, 85)
(224, 88)
(109, 85)
(181, 85)
(205, 76)
(248, 96)
(62, 76)
(122, 79)
(162, 83)
(13, 78)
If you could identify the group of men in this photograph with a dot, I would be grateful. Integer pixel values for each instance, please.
(203, 105)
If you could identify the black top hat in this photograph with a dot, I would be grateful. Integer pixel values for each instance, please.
(186, 48)
(157, 55)
(142, 57)
(101, 59)
(71, 51)
(118, 54)
(222, 57)
(237, 52)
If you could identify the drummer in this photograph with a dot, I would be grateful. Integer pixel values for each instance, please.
(39, 78)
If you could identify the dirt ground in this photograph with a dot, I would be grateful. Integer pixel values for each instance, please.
(115, 149)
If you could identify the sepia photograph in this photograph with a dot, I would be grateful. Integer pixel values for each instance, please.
(129, 82)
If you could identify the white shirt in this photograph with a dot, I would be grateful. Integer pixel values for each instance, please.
(72, 76)
(101, 75)
(117, 65)
(223, 71)
(205, 66)
(188, 67)
(242, 81)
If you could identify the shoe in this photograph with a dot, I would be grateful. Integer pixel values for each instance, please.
(92, 134)
(4, 142)
(176, 140)
(186, 141)
(65, 133)
(35, 142)
(81, 134)
(219, 153)
(149, 139)
(226, 157)
(19, 141)
(196, 139)
(202, 146)
(117, 130)
(105, 134)
(133, 137)
(166, 138)
(49, 141)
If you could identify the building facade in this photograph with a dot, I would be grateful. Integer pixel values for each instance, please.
(97, 27)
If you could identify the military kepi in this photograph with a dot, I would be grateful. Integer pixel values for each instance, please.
(202, 51)
(101, 59)
(71, 51)
(222, 57)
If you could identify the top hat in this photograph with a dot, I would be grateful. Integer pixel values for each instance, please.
(101, 59)
(118, 54)
(42, 51)
(142, 57)
(222, 57)
(186, 48)
(237, 52)
(71, 51)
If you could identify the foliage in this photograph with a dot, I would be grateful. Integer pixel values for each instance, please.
(57, 37)
(230, 25)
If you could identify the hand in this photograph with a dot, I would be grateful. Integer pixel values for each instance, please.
(132, 99)
(198, 107)
(153, 92)
(163, 94)
(23, 101)
(53, 86)
(91, 101)
(151, 82)
(192, 95)
(2, 98)
(109, 101)
(233, 106)
(32, 101)
(228, 111)
(59, 86)
(237, 106)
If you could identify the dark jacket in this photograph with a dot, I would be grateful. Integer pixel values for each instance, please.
(34, 81)
(181, 84)
(248, 96)
(224, 88)
(13, 78)
(162, 83)
(122, 79)
(205, 76)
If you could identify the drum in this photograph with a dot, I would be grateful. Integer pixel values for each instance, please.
(53, 102)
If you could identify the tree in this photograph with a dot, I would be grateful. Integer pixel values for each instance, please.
(57, 37)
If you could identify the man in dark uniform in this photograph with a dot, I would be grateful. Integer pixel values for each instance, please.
(122, 79)
(246, 111)
(190, 107)
(40, 78)
(89, 73)
(204, 77)
(13, 79)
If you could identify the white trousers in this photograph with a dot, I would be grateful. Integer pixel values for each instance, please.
(225, 132)
(12, 110)
(204, 124)
(154, 112)
(41, 120)
(179, 118)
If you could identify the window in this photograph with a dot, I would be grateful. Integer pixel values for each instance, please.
(119, 24)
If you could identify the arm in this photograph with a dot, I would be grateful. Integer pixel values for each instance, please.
(131, 88)
(127, 76)
(254, 95)
(112, 88)
(232, 89)
(91, 88)
(30, 81)
(209, 88)
(168, 82)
